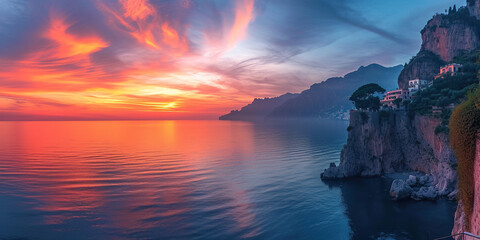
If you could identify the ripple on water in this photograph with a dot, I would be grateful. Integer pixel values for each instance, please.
(175, 180)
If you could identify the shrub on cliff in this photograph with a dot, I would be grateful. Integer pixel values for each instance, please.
(461, 15)
(464, 125)
(467, 58)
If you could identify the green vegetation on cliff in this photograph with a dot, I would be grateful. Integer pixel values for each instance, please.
(464, 124)
(364, 97)
(453, 16)
(450, 89)
(461, 15)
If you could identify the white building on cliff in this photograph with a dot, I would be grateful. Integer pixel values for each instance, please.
(416, 85)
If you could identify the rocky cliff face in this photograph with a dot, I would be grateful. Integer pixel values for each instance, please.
(460, 223)
(388, 142)
(445, 37)
(451, 35)
(474, 8)
(423, 66)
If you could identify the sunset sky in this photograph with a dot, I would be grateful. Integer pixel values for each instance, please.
(189, 59)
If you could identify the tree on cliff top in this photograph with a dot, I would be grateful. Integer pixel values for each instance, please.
(364, 97)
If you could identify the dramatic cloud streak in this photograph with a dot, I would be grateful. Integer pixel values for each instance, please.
(150, 59)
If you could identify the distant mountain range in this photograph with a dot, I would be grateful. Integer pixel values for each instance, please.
(328, 99)
(259, 108)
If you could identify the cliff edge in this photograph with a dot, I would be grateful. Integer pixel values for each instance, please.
(445, 37)
(390, 141)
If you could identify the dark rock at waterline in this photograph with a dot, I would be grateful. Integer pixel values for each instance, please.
(400, 190)
(382, 143)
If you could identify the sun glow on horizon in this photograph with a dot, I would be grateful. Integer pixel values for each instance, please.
(140, 61)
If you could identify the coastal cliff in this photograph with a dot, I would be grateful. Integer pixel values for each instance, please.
(388, 142)
(430, 147)
(451, 35)
(423, 66)
(445, 37)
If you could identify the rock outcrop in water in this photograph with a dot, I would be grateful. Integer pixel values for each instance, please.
(388, 142)
(400, 189)
(416, 187)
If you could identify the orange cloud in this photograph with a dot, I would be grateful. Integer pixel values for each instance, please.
(157, 76)
(243, 16)
(172, 39)
(68, 44)
(137, 9)
(144, 23)
(64, 64)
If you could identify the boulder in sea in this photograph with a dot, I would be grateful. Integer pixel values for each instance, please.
(412, 180)
(425, 193)
(333, 172)
(400, 190)
(423, 180)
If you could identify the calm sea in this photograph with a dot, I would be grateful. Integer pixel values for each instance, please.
(194, 180)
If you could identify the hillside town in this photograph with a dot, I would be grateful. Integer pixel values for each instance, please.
(397, 99)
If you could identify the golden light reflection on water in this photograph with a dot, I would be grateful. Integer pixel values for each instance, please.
(139, 174)
(191, 180)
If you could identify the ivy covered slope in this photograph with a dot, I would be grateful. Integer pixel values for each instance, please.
(464, 127)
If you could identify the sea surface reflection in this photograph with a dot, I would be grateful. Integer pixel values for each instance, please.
(185, 180)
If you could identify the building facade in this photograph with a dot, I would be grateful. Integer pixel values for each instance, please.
(450, 69)
(391, 96)
(416, 85)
